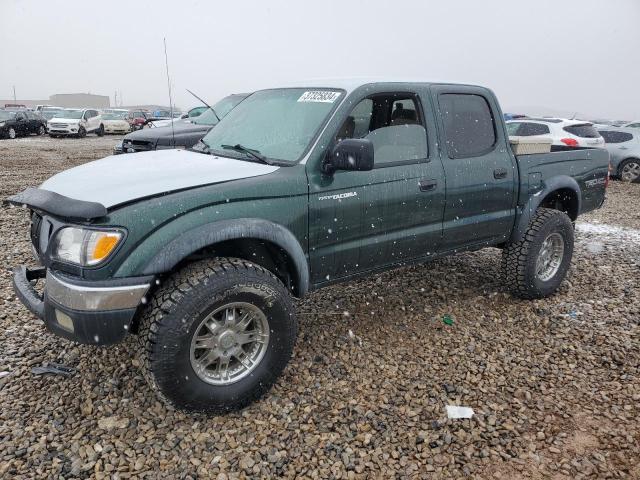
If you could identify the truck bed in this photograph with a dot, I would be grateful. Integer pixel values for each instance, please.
(588, 167)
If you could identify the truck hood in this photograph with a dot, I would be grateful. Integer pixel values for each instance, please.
(122, 178)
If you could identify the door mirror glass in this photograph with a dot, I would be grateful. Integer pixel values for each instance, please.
(350, 154)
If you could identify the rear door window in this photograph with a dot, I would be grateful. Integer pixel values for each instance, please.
(585, 130)
(469, 126)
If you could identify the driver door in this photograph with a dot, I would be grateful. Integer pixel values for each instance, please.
(363, 220)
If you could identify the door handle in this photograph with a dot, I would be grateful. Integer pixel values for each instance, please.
(500, 173)
(426, 185)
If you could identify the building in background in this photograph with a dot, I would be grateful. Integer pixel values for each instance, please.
(79, 100)
(67, 100)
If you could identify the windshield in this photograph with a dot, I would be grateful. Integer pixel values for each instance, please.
(49, 114)
(4, 115)
(70, 114)
(279, 124)
(223, 107)
(113, 116)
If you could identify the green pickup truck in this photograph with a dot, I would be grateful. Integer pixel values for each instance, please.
(200, 252)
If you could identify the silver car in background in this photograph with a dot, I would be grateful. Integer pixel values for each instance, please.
(623, 145)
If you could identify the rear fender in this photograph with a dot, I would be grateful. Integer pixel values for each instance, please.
(537, 195)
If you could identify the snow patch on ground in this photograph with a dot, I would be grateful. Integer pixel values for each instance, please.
(608, 232)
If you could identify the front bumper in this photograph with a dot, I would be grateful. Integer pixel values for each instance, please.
(115, 129)
(98, 313)
(63, 130)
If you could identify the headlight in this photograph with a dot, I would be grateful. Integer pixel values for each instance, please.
(2, 124)
(85, 247)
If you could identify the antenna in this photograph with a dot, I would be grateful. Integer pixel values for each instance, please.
(166, 62)
(206, 104)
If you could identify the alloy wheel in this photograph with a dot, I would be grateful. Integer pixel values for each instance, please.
(229, 343)
(630, 171)
(550, 257)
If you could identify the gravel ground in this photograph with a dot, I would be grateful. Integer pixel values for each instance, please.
(554, 383)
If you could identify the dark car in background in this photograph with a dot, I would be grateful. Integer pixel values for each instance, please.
(184, 133)
(16, 124)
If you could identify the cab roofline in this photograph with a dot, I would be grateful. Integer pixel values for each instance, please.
(349, 84)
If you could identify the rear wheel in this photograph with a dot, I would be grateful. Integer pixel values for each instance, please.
(629, 170)
(217, 335)
(11, 133)
(536, 266)
(100, 131)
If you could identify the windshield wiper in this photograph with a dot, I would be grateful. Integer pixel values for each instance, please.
(201, 147)
(249, 151)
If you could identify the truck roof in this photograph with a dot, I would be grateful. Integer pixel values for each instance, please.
(351, 83)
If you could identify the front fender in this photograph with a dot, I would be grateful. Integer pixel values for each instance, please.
(204, 235)
(538, 191)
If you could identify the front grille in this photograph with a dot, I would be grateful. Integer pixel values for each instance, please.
(36, 221)
(59, 125)
(138, 145)
(41, 230)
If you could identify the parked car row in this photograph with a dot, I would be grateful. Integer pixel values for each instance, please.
(179, 133)
(620, 138)
(622, 142)
(18, 123)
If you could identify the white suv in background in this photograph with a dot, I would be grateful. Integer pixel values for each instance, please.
(77, 122)
(565, 133)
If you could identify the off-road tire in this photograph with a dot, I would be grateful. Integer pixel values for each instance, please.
(174, 313)
(12, 134)
(100, 131)
(82, 132)
(519, 258)
(42, 130)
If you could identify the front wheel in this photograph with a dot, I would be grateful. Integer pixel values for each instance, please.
(42, 130)
(82, 132)
(536, 266)
(11, 133)
(217, 335)
(630, 170)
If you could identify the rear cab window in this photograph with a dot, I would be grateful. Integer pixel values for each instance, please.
(395, 125)
(469, 126)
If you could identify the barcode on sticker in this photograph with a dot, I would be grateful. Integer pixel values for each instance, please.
(319, 96)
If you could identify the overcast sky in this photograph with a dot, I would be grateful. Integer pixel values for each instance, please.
(568, 55)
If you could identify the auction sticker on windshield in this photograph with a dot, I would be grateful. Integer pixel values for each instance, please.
(319, 96)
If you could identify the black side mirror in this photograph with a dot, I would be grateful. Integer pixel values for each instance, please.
(350, 154)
